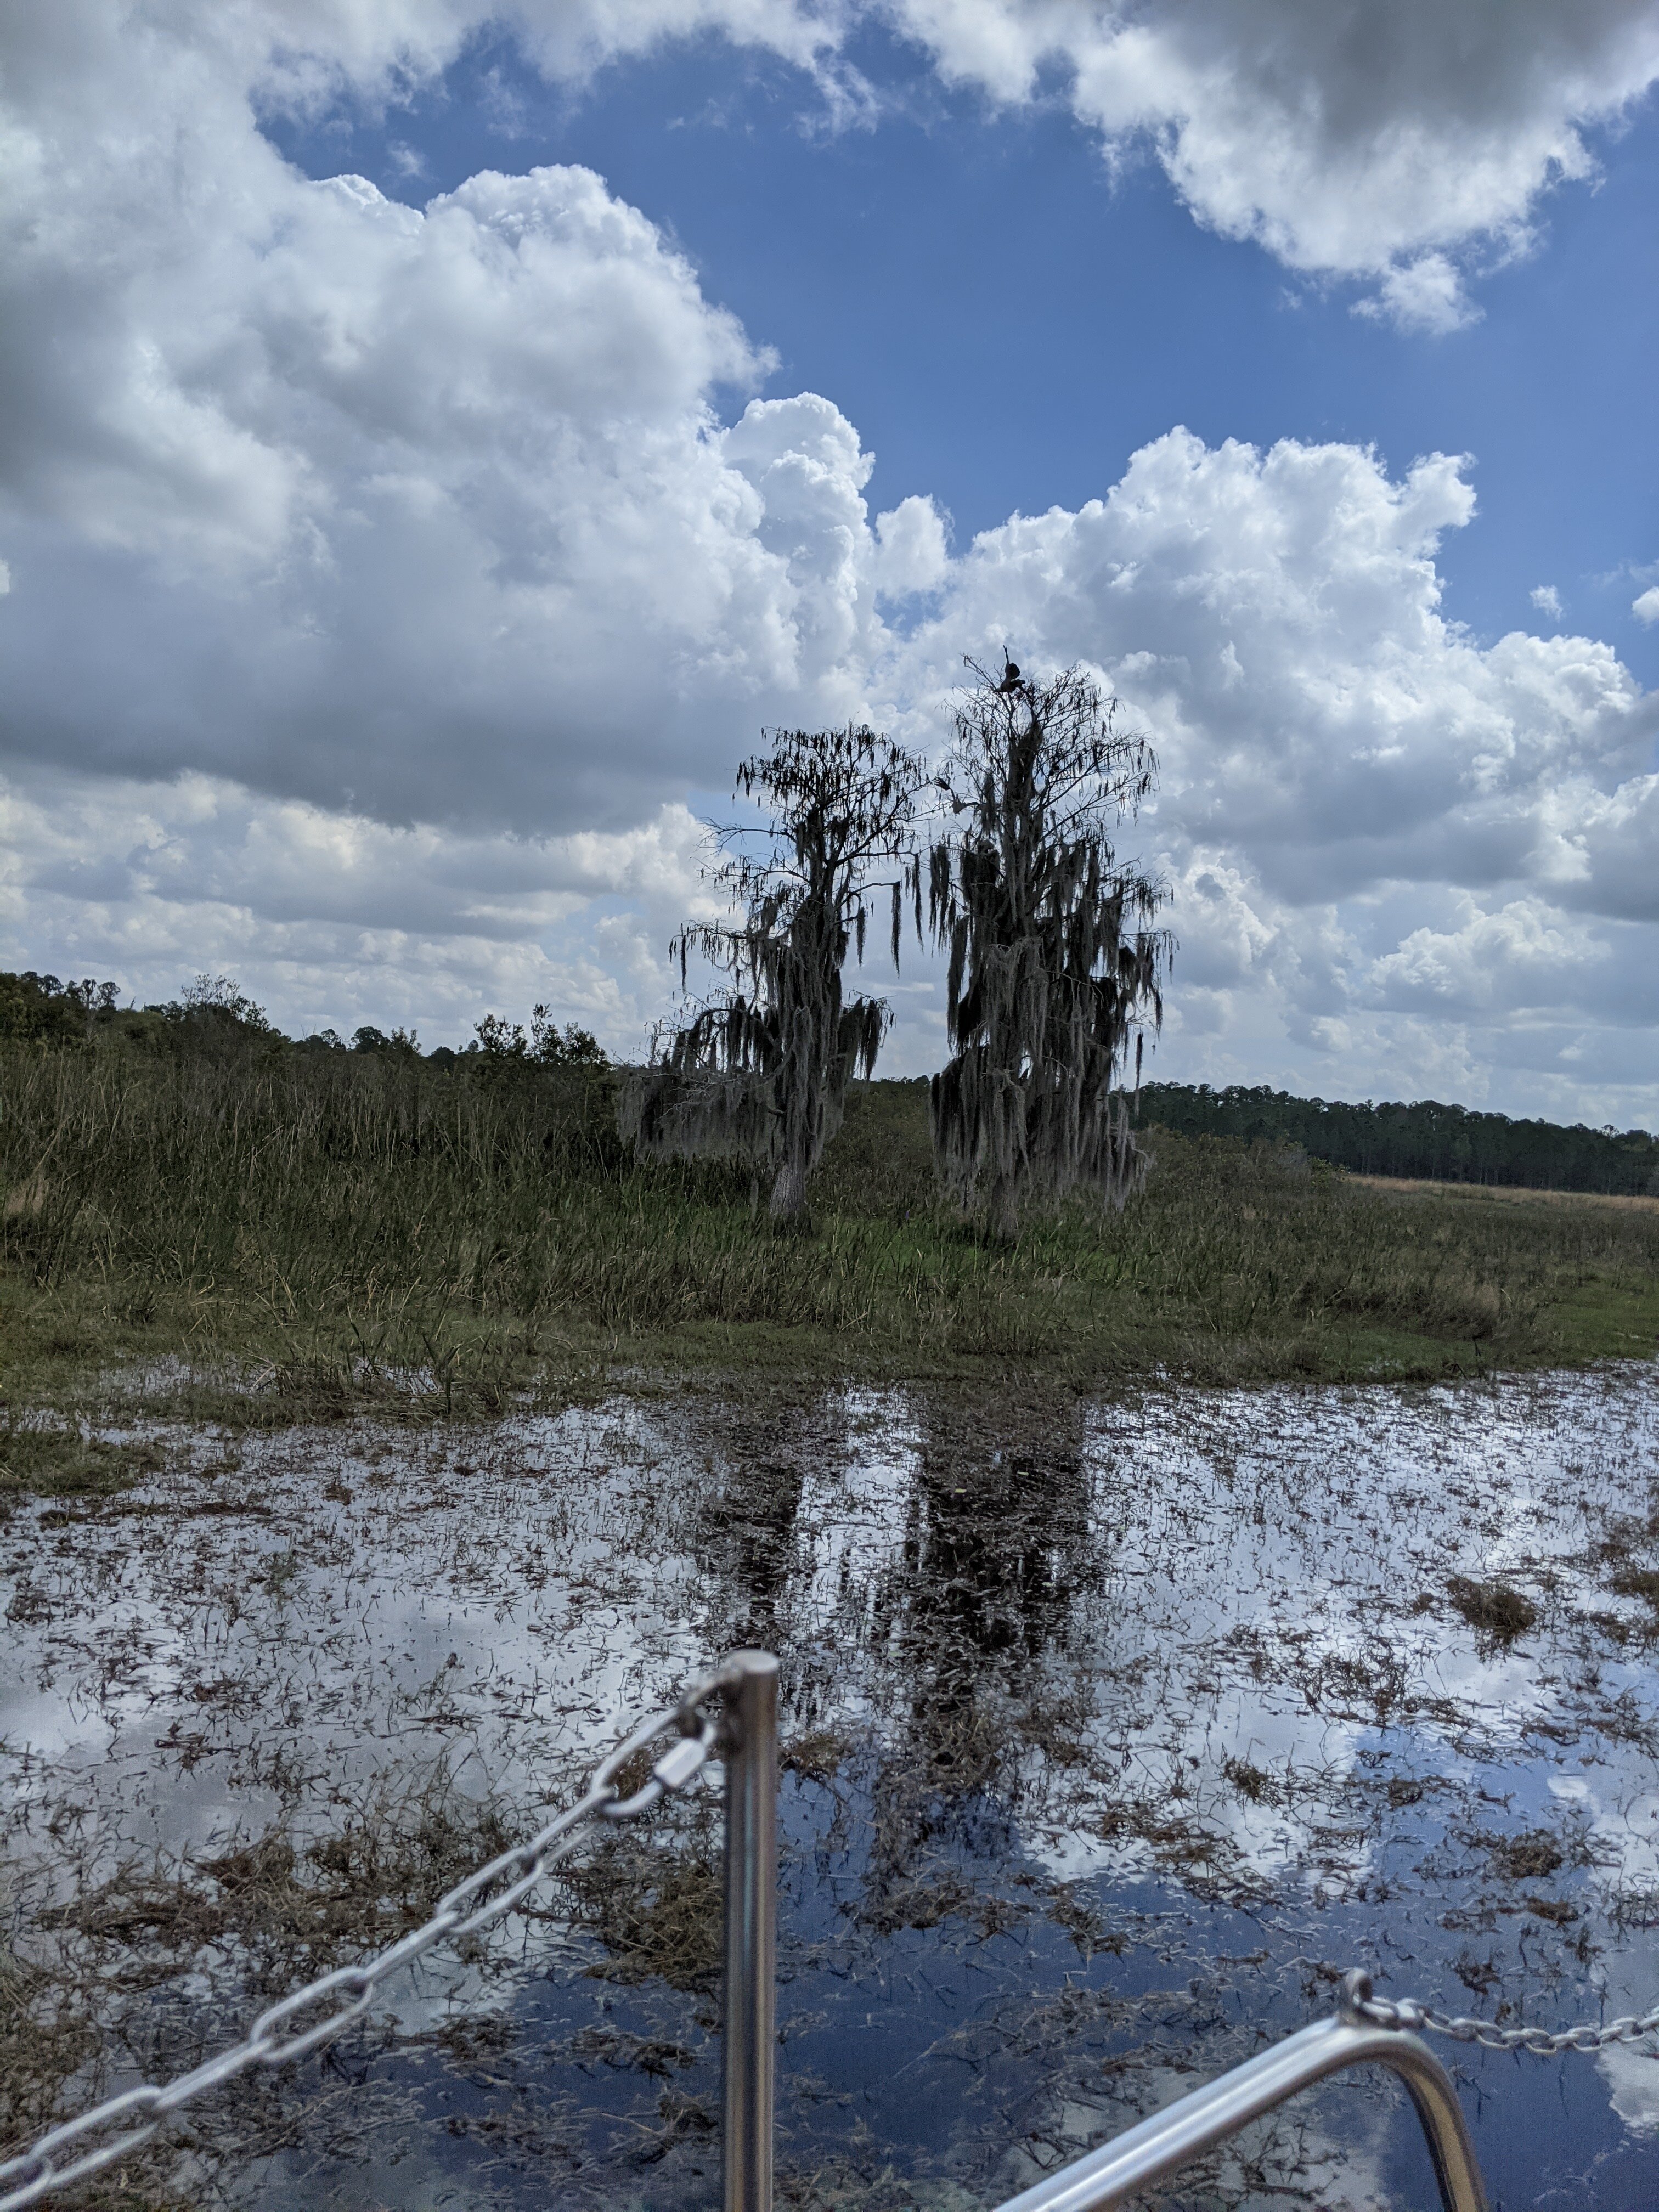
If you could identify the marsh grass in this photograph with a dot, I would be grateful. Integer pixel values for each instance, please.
(101, 1992)
(657, 1913)
(58, 1459)
(265, 1237)
(1492, 1608)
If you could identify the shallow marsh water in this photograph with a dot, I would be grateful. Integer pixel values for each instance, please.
(1114, 1734)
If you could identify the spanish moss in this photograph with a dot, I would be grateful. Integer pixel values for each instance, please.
(1051, 967)
(760, 1072)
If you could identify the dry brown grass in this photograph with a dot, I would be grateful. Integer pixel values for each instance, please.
(1492, 1608)
(1510, 1194)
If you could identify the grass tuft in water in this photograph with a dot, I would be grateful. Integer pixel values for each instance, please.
(1492, 1608)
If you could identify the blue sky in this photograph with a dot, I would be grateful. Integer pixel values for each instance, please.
(1006, 317)
(435, 437)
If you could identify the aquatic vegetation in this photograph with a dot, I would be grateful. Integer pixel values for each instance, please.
(1115, 1731)
(1502, 1612)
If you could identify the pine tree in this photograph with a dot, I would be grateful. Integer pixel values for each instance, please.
(1051, 963)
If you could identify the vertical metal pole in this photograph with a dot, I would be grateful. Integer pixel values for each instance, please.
(752, 1908)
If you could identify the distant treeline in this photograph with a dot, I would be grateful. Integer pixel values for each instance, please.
(1442, 1144)
(213, 1016)
(1438, 1143)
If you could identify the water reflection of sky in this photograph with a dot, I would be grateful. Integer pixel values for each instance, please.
(1117, 1731)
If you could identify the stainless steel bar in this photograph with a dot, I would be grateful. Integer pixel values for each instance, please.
(1160, 2146)
(750, 1747)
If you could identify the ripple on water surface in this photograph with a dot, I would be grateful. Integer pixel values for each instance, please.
(1114, 1733)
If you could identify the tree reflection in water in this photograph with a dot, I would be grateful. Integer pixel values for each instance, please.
(995, 1552)
(1097, 1771)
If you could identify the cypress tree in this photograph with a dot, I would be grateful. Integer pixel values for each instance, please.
(1051, 963)
(760, 1072)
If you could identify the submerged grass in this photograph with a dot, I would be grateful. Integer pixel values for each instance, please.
(265, 1238)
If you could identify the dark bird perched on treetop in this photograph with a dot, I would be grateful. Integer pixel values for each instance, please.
(1010, 674)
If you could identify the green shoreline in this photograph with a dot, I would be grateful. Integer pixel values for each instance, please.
(252, 1243)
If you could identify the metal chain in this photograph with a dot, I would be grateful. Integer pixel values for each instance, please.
(472, 1904)
(1358, 2003)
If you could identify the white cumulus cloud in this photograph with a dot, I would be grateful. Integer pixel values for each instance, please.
(1356, 798)
(384, 579)
(1276, 617)
(424, 511)
(1425, 294)
(913, 552)
(1519, 958)
(1346, 139)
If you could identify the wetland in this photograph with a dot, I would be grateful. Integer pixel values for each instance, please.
(266, 1235)
(1177, 1607)
(1115, 1729)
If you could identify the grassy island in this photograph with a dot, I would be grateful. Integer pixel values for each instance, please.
(258, 1233)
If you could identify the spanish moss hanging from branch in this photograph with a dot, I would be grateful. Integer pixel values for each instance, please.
(1052, 964)
(760, 1072)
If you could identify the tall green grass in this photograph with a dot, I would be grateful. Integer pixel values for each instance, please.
(340, 1219)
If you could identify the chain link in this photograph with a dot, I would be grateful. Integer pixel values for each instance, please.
(493, 1891)
(283, 2033)
(1358, 2003)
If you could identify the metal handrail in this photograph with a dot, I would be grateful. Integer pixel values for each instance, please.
(1120, 2169)
(746, 1740)
(1174, 2137)
(749, 1744)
